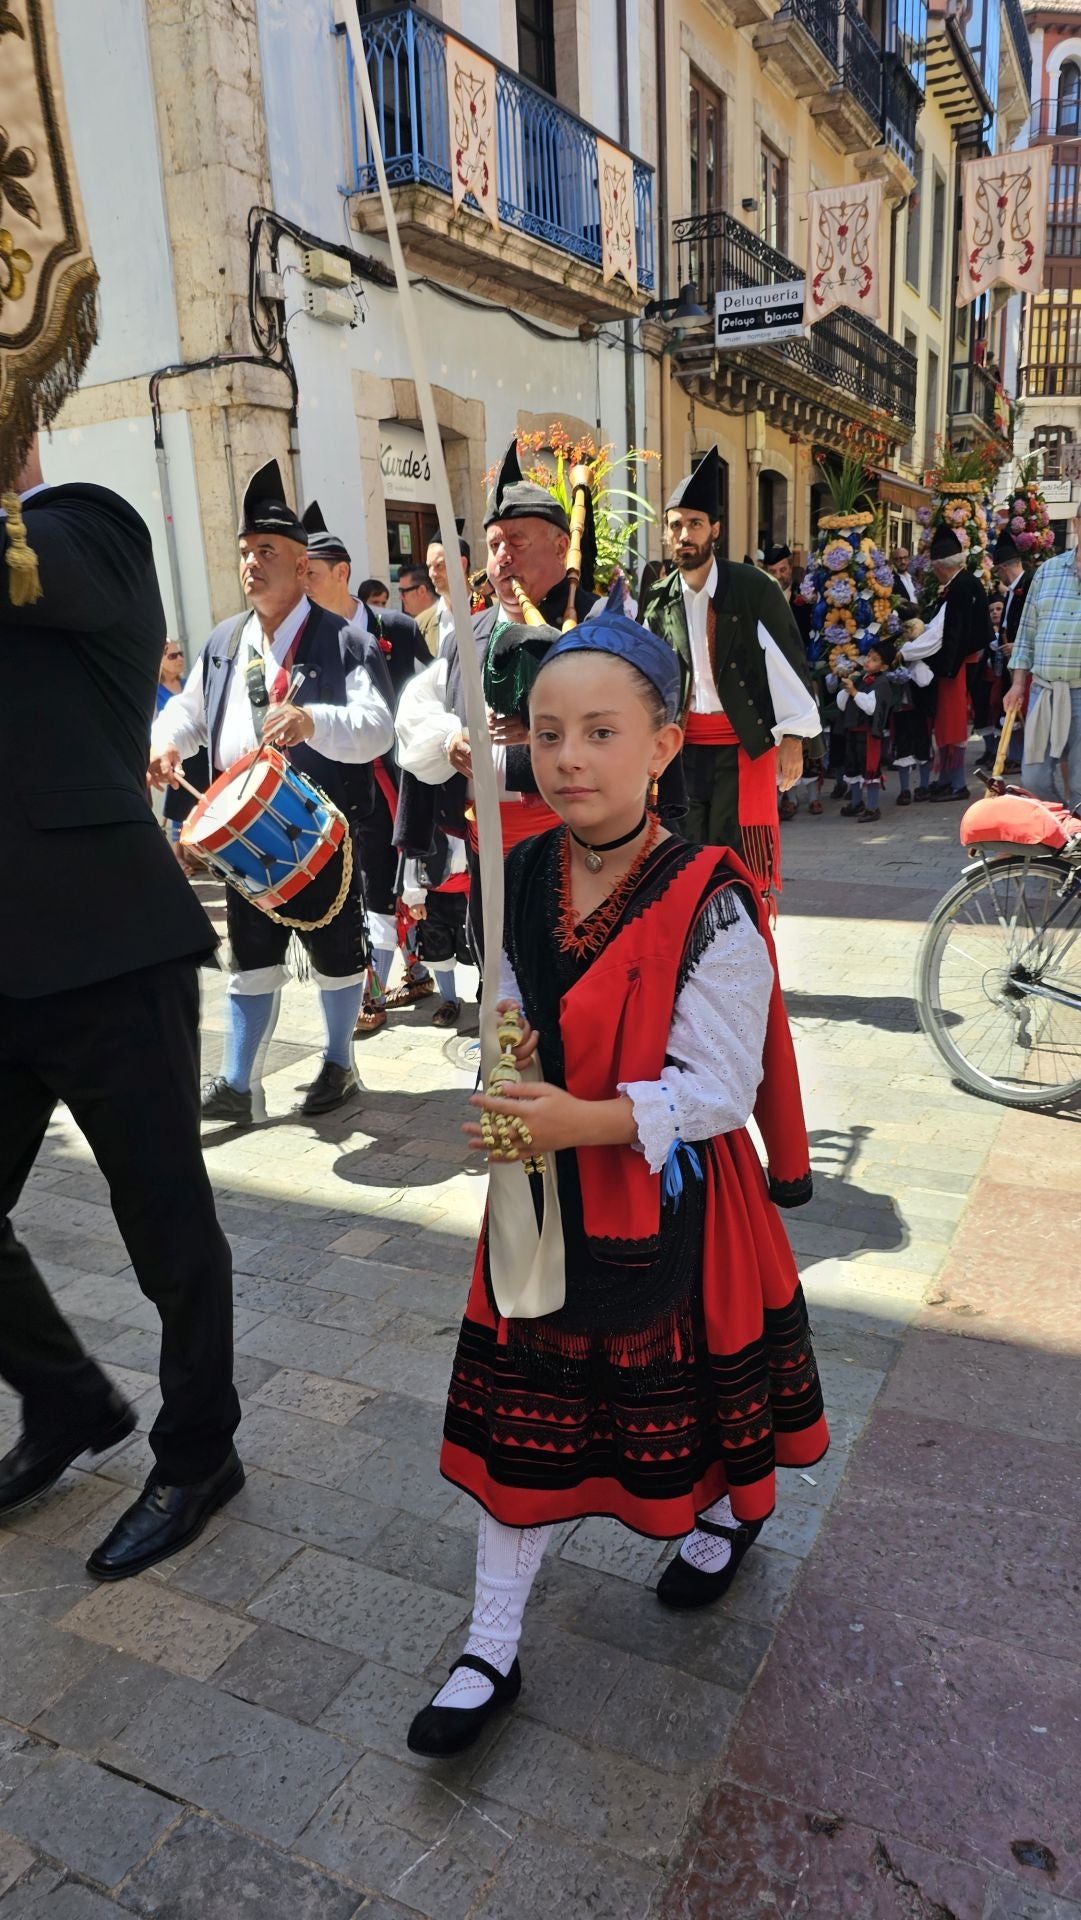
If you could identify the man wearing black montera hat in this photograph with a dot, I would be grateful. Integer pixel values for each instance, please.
(749, 705)
(281, 676)
(99, 1008)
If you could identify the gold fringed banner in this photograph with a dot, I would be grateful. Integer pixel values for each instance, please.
(48, 281)
(1003, 222)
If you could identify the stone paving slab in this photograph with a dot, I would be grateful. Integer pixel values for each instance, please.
(238, 1714)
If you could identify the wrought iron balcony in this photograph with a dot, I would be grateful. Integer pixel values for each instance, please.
(843, 355)
(851, 106)
(976, 402)
(546, 169)
(1054, 119)
(861, 63)
(901, 103)
(1015, 21)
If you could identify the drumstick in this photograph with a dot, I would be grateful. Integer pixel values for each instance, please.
(186, 784)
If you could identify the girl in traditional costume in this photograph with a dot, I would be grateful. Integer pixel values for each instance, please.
(673, 1371)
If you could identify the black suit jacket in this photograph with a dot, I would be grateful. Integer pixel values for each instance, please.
(1016, 606)
(90, 888)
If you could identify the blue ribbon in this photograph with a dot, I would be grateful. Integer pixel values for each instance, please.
(672, 1172)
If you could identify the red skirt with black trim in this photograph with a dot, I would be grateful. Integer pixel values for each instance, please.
(718, 1413)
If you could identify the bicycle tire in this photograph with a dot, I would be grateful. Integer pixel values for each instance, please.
(928, 958)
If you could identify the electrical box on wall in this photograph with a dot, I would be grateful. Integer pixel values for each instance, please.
(325, 268)
(324, 304)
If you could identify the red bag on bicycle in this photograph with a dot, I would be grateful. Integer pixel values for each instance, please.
(1019, 820)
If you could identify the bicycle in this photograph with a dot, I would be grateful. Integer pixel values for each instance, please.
(998, 973)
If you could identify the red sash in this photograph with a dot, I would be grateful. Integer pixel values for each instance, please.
(518, 820)
(758, 818)
(615, 1023)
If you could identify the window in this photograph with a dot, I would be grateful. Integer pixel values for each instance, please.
(912, 227)
(537, 43)
(1051, 441)
(1069, 98)
(1064, 206)
(938, 239)
(1054, 343)
(930, 409)
(774, 198)
(706, 143)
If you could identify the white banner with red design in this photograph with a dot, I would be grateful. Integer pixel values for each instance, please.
(471, 107)
(1003, 222)
(615, 182)
(843, 225)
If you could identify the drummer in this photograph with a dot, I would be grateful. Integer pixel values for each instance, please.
(283, 676)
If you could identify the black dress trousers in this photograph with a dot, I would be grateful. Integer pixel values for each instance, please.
(123, 1055)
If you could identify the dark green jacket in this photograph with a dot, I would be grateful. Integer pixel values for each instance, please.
(744, 596)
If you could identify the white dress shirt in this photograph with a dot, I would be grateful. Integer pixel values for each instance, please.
(795, 711)
(359, 731)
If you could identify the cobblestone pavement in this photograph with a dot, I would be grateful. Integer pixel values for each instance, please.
(224, 1736)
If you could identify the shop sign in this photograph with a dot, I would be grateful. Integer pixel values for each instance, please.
(757, 316)
(404, 463)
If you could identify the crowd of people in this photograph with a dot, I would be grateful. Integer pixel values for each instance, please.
(633, 1288)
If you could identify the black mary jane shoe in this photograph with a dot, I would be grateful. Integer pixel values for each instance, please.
(35, 1465)
(162, 1520)
(682, 1585)
(333, 1087)
(437, 1732)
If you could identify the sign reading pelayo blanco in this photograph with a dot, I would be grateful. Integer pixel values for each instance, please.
(756, 316)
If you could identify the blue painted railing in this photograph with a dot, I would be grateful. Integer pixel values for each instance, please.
(546, 158)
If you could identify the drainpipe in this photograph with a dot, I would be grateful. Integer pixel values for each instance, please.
(166, 494)
(630, 408)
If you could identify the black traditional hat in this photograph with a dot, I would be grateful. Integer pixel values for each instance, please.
(515, 498)
(322, 545)
(700, 491)
(944, 544)
(774, 555)
(265, 509)
(1005, 550)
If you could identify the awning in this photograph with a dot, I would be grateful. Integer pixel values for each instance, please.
(898, 492)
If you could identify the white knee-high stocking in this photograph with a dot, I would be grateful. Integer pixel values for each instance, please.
(507, 1562)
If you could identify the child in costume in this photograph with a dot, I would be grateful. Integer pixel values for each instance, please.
(435, 894)
(672, 1369)
(866, 700)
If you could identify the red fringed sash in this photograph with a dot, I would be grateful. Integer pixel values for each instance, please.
(758, 822)
(615, 1023)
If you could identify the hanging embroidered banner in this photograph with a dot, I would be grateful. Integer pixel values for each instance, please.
(615, 181)
(843, 226)
(48, 282)
(1003, 222)
(471, 105)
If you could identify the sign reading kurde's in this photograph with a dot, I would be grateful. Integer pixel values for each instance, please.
(756, 316)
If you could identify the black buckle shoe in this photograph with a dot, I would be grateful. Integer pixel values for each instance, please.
(682, 1585)
(35, 1465)
(332, 1087)
(162, 1520)
(439, 1731)
(220, 1101)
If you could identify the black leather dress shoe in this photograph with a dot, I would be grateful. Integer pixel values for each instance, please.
(162, 1520)
(220, 1101)
(439, 1731)
(332, 1087)
(682, 1585)
(35, 1465)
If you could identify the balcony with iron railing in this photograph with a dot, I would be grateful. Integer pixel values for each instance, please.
(977, 408)
(1054, 119)
(843, 358)
(549, 243)
(1015, 21)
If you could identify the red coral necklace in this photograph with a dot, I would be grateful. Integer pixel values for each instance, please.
(589, 935)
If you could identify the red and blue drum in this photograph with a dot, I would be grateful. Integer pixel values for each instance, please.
(265, 827)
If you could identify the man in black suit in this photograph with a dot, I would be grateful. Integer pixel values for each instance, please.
(99, 1008)
(284, 675)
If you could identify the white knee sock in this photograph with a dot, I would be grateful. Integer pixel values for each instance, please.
(710, 1552)
(507, 1562)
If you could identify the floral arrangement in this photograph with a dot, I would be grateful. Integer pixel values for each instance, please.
(960, 483)
(619, 513)
(849, 582)
(1025, 516)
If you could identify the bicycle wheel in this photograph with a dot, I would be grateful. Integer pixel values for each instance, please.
(1004, 928)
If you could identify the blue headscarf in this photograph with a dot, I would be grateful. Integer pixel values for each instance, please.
(611, 632)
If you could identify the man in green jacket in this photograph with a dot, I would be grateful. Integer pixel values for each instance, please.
(748, 700)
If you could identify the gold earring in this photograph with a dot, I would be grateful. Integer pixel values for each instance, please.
(654, 789)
